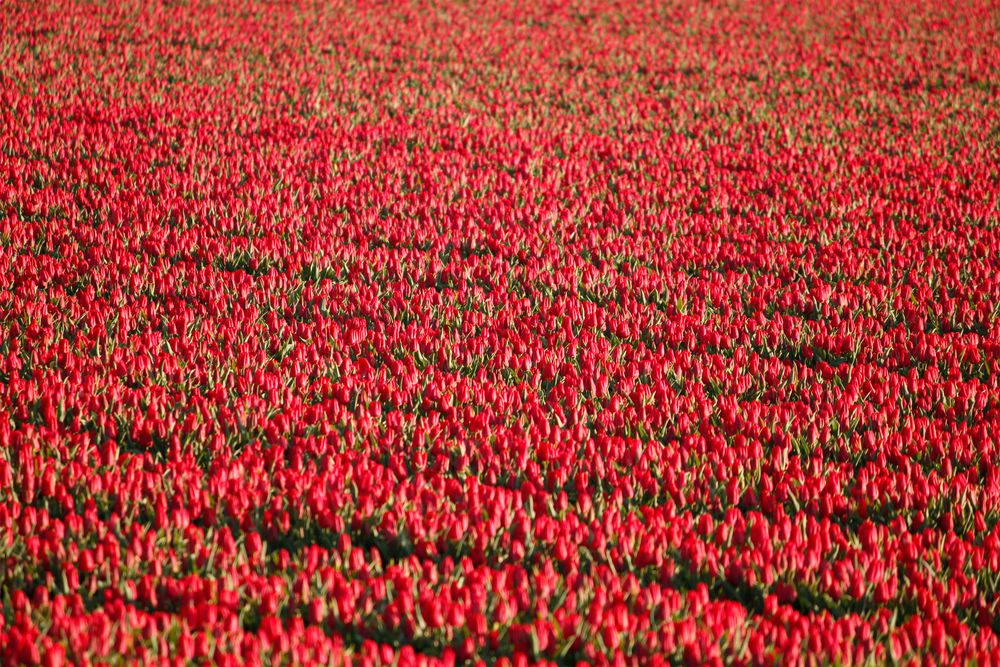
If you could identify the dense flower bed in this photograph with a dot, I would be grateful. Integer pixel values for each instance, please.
(500, 333)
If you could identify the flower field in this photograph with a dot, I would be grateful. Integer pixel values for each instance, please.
(565, 332)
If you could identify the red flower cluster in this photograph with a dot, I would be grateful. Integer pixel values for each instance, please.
(422, 333)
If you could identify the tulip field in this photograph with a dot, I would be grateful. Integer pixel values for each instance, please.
(552, 332)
